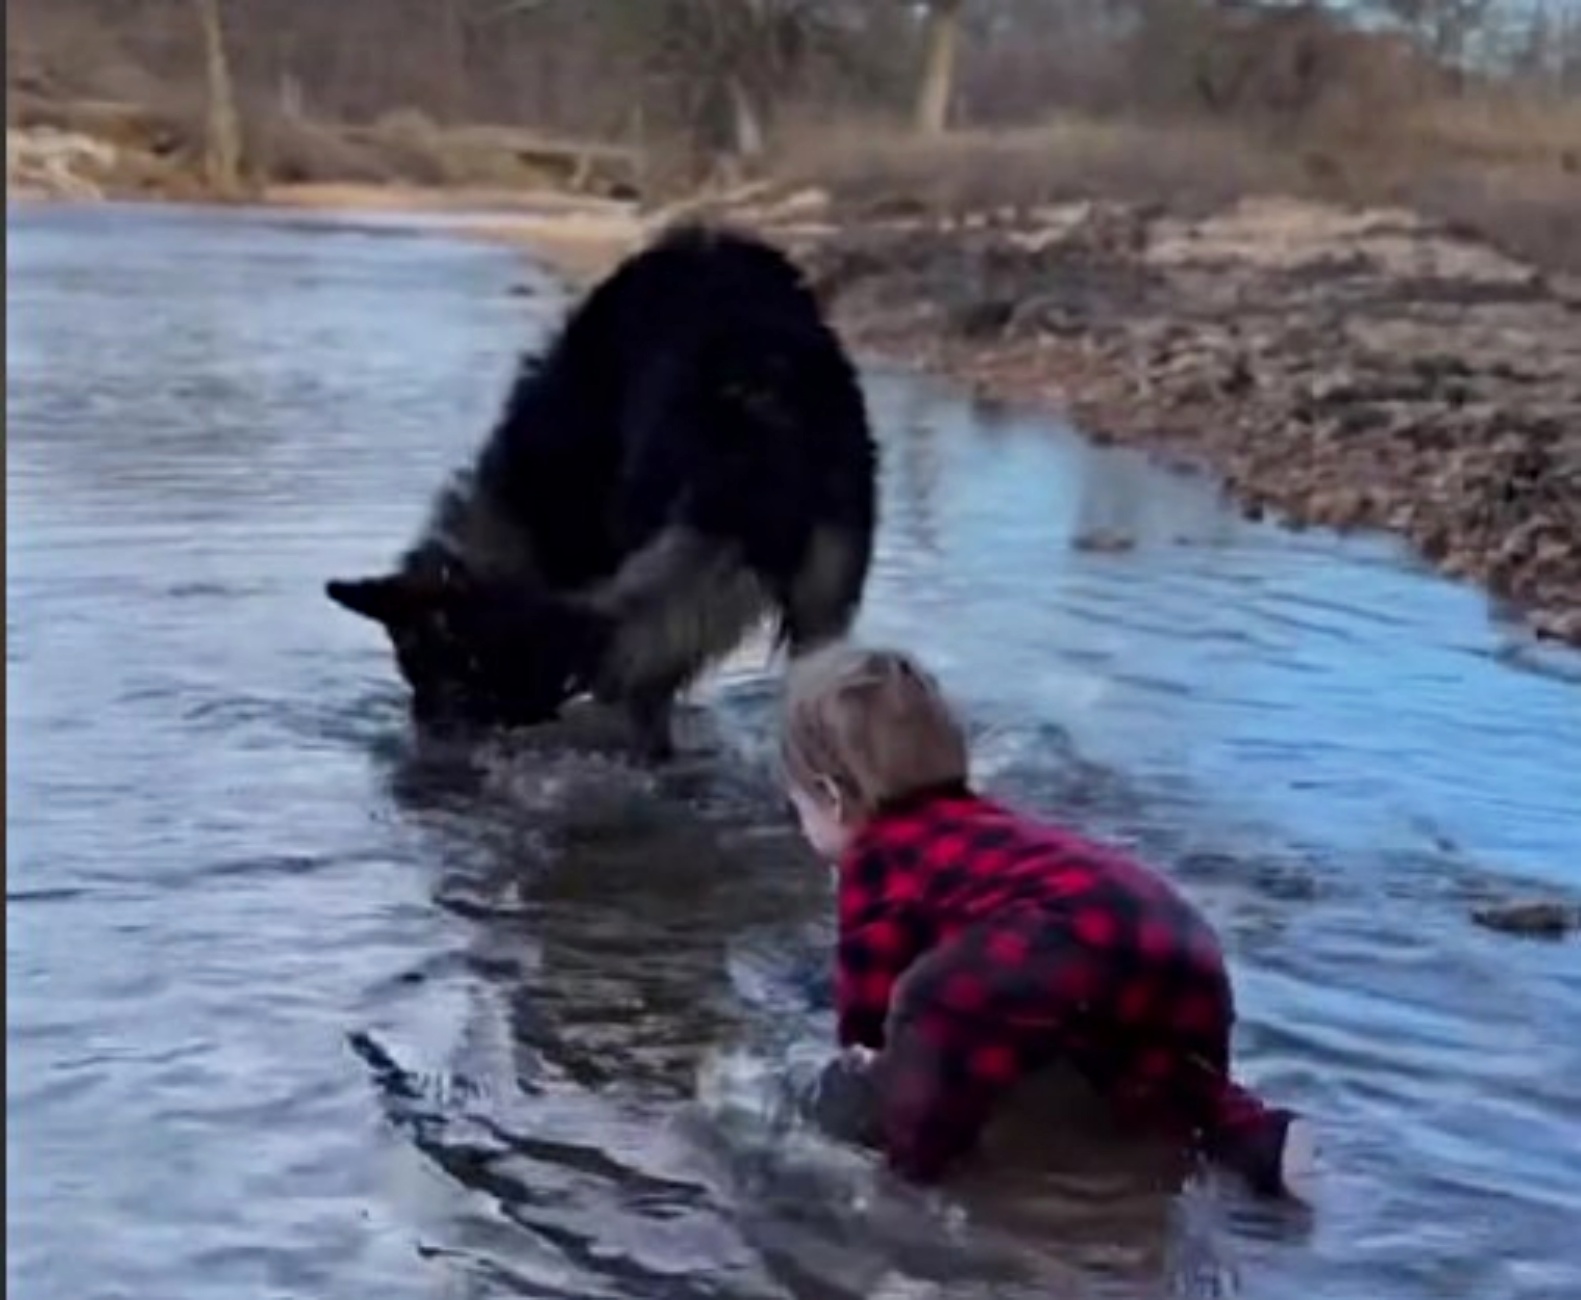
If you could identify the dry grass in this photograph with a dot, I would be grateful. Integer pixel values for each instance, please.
(159, 149)
(403, 147)
(1509, 131)
(1533, 216)
(1198, 167)
(282, 149)
(1507, 170)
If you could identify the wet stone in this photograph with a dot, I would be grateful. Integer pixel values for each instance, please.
(1535, 919)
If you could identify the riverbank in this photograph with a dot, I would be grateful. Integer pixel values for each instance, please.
(1351, 369)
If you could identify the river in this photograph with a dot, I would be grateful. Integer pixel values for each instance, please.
(299, 1009)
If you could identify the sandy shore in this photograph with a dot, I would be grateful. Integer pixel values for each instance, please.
(579, 236)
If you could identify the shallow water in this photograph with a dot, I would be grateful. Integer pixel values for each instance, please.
(297, 1009)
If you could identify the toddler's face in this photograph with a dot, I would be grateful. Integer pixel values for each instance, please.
(822, 824)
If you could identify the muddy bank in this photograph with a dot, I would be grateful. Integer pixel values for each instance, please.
(1354, 370)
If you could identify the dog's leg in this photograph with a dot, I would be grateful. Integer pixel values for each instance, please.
(652, 713)
(679, 602)
(649, 709)
(827, 590)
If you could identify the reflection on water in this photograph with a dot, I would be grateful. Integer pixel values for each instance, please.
(301, 1008)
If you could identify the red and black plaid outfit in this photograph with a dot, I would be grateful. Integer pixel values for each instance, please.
(977, 947)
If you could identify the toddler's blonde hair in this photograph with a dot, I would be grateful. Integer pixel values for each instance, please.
(874, 722)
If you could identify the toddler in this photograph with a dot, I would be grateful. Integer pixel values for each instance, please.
(977, 946)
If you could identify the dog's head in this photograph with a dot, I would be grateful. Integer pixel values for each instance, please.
(478, 651)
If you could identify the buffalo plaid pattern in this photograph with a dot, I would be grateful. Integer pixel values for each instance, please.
(977, 947)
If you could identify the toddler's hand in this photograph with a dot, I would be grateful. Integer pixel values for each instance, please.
(1298, 1162)
(844, 1102)
(858, 1057)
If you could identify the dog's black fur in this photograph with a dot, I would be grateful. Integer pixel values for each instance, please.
(691, 453)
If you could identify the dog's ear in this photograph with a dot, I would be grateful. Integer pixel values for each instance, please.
(393, 600)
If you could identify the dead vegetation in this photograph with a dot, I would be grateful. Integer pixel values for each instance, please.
(1525, 198)
(160, 152)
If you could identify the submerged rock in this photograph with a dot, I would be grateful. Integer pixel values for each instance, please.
(1103, 541)
(1536, 918)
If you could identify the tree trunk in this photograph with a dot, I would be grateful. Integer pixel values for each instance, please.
(942, 26)
(290, 100)
(222, 154)
(453, 58)
(746, 133)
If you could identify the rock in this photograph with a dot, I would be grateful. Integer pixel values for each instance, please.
(1104, 541)
(1535, 918)
(1339, 507)
(1558, 625)
(983, 319)
(1177, 465)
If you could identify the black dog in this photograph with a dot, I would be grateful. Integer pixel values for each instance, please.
(691, 454)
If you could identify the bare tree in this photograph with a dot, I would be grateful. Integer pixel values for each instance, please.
(1445, 30)
(222, 154)
(943, 29)
(1546, 49)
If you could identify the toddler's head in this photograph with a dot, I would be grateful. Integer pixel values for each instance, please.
(862, 728)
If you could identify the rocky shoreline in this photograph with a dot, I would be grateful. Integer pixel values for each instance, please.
(1357, 370)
